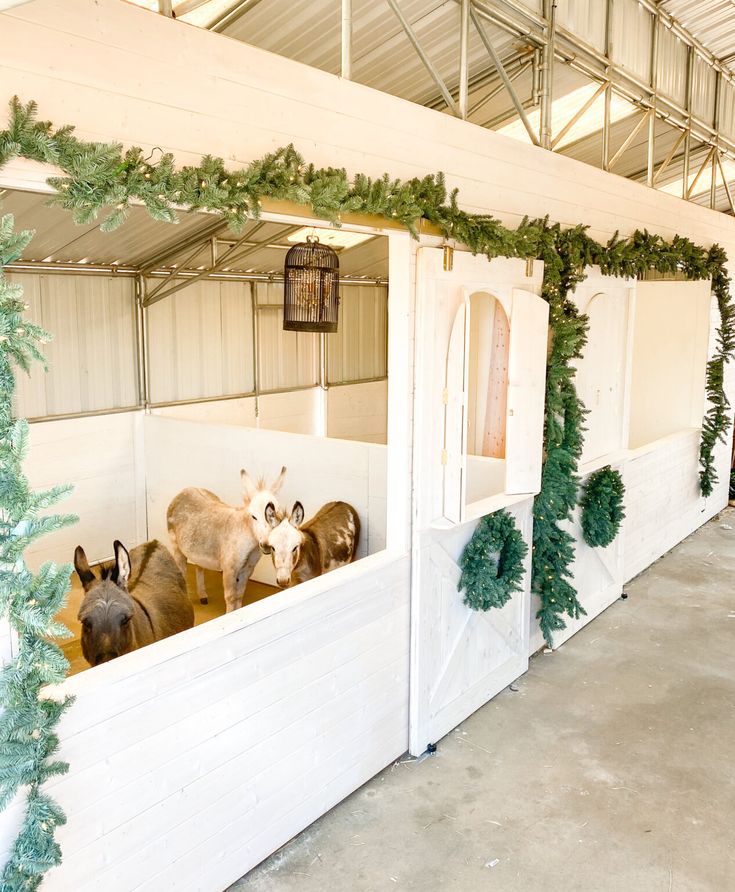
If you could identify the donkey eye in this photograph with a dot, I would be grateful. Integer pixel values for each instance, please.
(87, 625)
(124, 621)
(295, 550)
(254, 516)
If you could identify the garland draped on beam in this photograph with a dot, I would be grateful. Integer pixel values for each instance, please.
(30, 602)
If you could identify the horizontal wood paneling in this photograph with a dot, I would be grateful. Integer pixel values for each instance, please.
(319, 470)
(99, 457)
(358, 412)
(217, 751)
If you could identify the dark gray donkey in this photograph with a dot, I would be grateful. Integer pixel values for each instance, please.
(138, 599)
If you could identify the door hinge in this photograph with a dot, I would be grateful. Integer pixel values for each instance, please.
(444, 456)
(529, 267)
(448, 258)
(445, 396)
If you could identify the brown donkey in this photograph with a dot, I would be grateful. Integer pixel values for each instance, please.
(301, 551)
(139, 599)
(215, 536)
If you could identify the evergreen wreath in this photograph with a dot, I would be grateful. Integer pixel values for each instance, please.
(492, 562)
(602, 507)
(100, 177)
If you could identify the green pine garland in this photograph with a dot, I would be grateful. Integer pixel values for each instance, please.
(28, 740)
(492, 562)
(602, 507)
(105, 178)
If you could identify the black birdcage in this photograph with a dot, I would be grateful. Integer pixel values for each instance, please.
(311, 290)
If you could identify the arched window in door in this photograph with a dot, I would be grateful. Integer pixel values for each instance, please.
(494, 398)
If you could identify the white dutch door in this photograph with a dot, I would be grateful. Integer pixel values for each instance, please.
(603, 383)
(482, 334)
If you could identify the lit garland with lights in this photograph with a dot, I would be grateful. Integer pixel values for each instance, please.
(104, 177)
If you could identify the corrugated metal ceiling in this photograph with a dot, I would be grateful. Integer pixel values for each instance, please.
(711, 22)
(141, 241)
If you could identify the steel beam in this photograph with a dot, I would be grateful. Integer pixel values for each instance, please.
(428, 64)
(514, 75)
(630, 137)
(197, 238)
(577, 115)
(547, 74)
(232, 255)
(464, 59)
(651, 153)
(725, 183)
(231, 15)
(708, 158)
(346, 40)
(670, 157)
(504, 77)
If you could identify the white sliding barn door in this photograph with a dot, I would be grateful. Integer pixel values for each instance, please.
(460, 658)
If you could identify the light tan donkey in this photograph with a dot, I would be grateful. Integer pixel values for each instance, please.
(301, 551)
(212, 535)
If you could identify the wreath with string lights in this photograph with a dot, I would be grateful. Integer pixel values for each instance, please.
(602, 507)
(492, 562)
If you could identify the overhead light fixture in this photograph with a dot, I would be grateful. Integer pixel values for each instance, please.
(311, 287)
(335, 238)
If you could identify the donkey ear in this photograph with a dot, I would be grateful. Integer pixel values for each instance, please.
(271, 517)
(121, 573)
(297, 514)
(278, 482)
(248, 486)
(81, 565)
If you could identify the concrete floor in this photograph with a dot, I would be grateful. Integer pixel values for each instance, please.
(612, 767)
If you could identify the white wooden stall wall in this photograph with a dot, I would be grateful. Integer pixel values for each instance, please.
(318, 471)
(663, 503)
(460, 657)
(92, 354)
(358, 412)
(196, 757)
(102, 458)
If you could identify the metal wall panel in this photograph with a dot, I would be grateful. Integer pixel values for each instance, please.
(286, 359)
(201, 342)
(631, 37)
(585, 19)
(672, 65)
(92, 357)
(727, 108)
(704, 80)
(359, 349)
